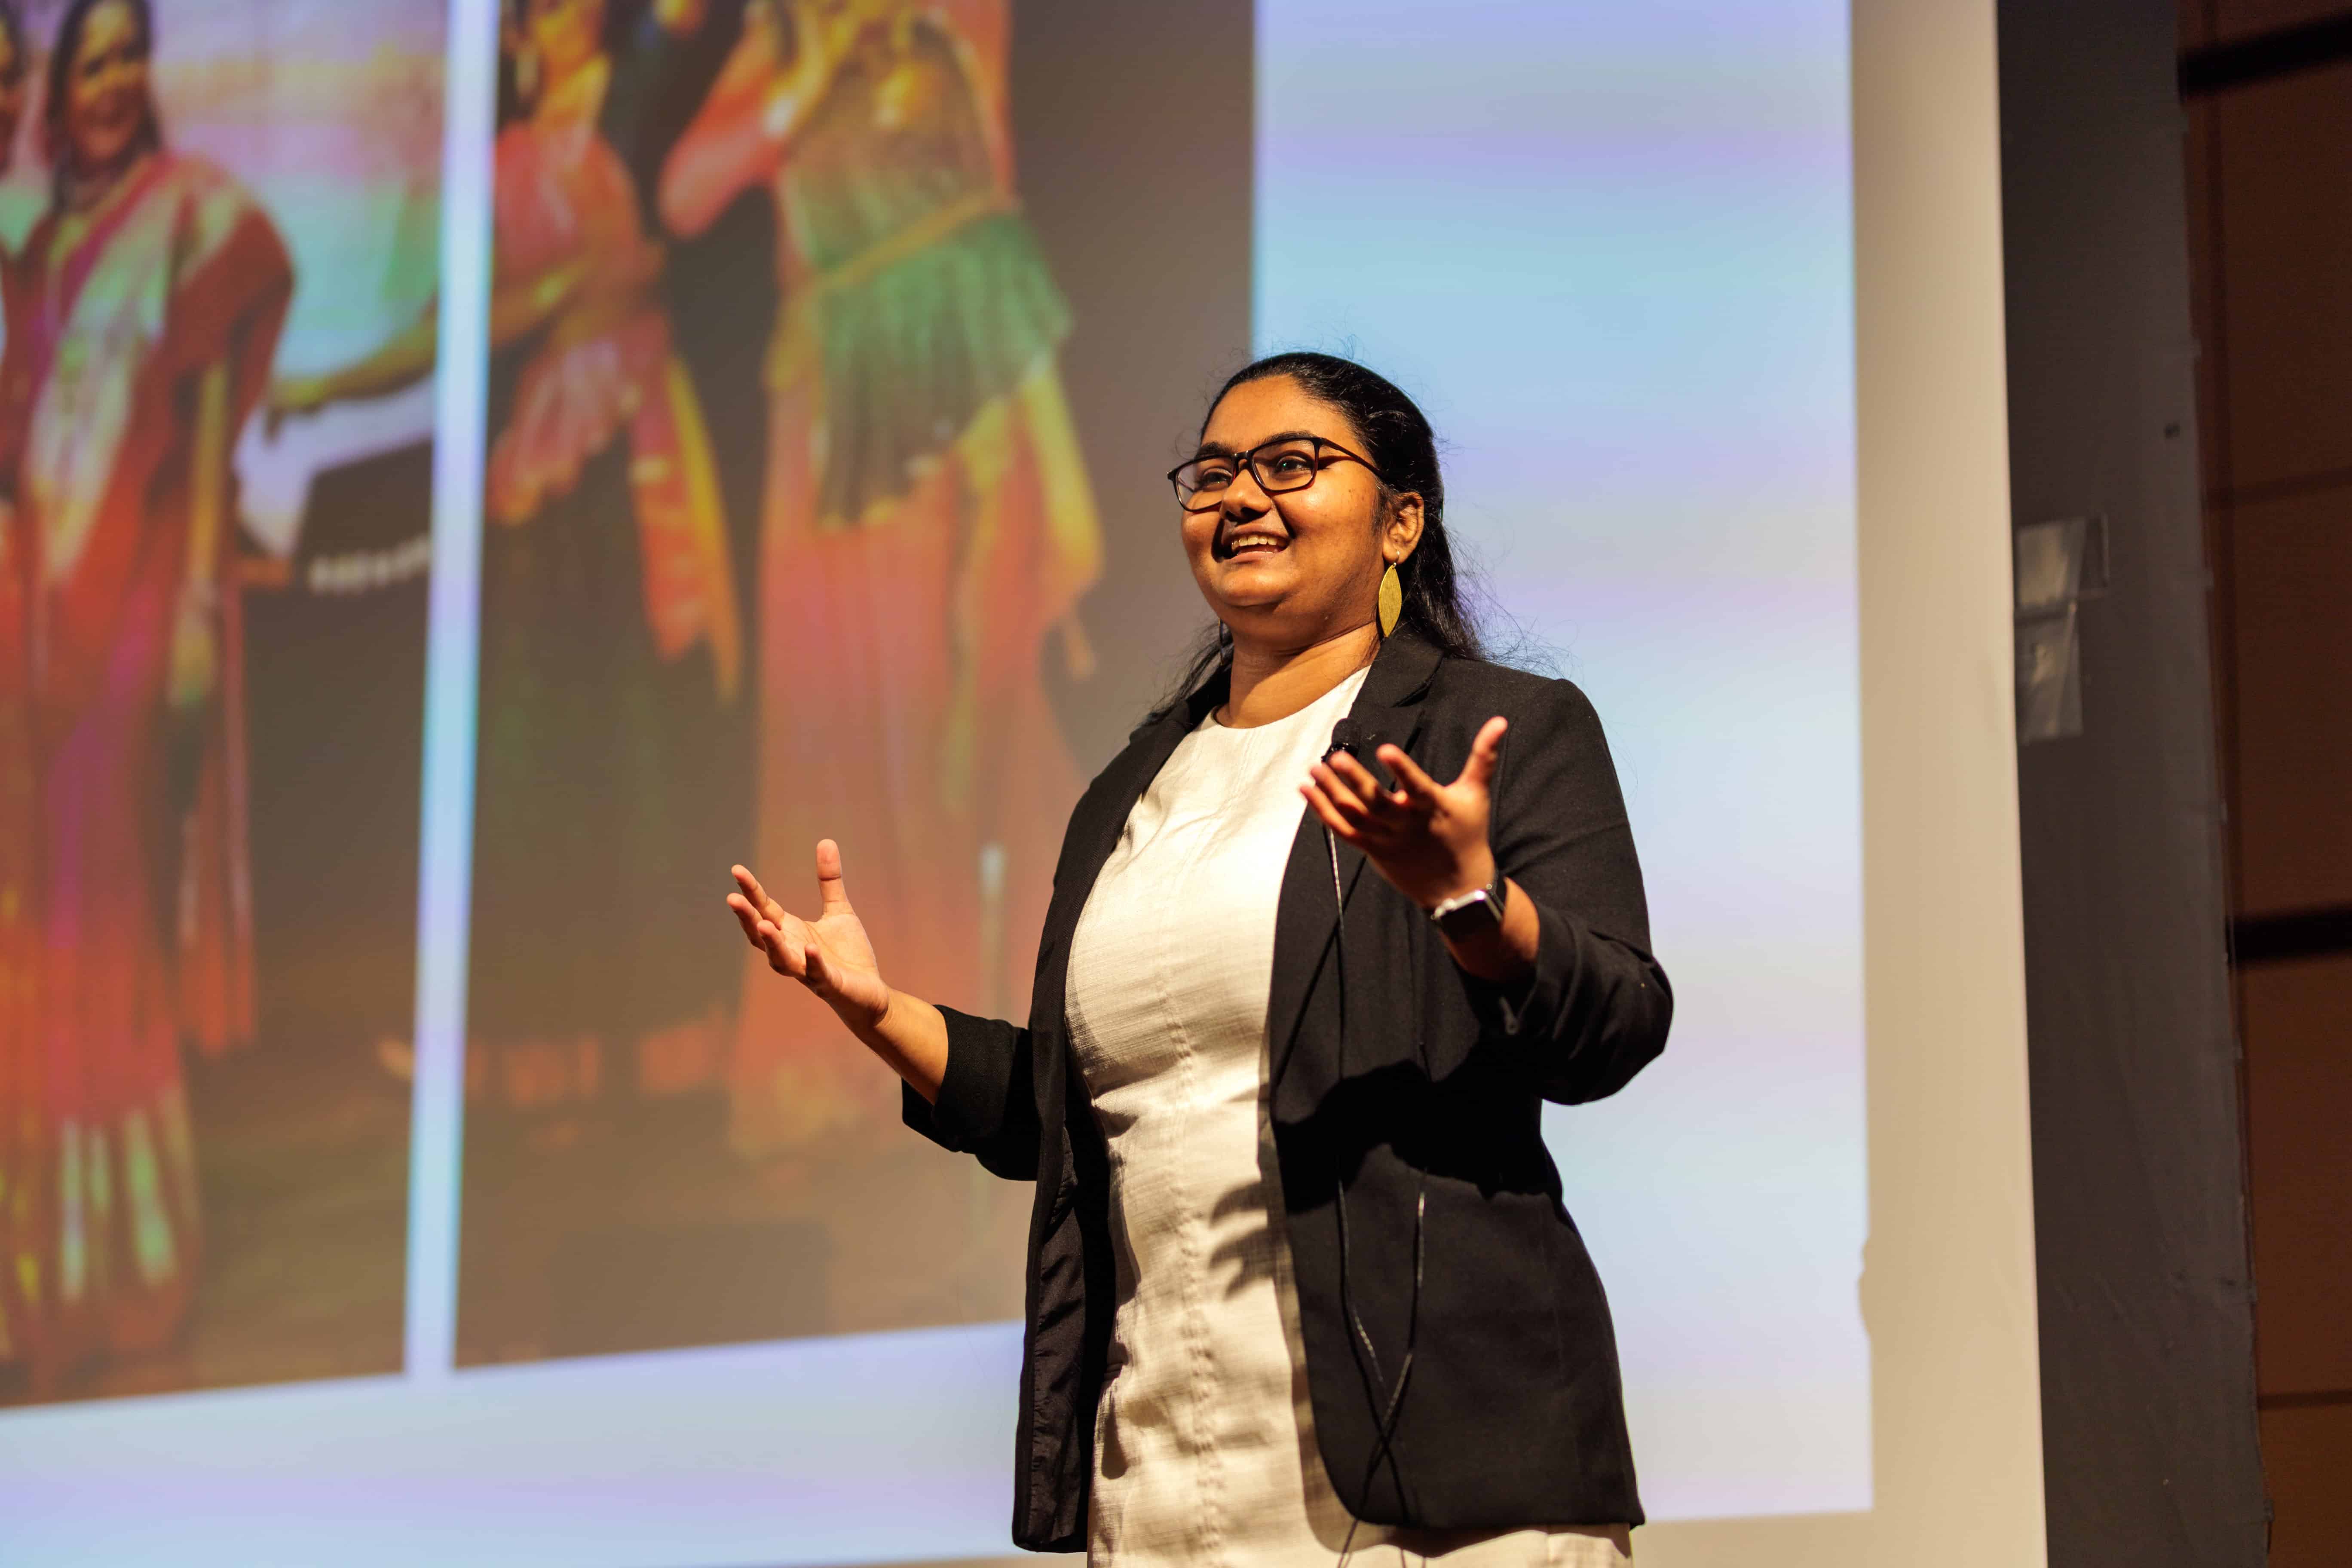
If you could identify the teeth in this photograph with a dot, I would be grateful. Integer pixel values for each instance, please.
(1246, 541)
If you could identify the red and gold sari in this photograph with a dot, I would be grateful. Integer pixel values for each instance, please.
(927, 526)
(610, 648)
(125, 904)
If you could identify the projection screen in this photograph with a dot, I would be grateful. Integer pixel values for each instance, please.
(471, 1197)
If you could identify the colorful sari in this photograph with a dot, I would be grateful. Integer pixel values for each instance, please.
(928, 523)
(605, 566)
(125, 903)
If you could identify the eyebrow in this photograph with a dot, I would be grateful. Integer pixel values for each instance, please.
(1211, 450)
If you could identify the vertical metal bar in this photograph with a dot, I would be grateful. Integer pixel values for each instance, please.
(445, 863)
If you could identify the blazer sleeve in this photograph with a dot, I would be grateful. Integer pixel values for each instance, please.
(1596, 1009)
(987, 1106)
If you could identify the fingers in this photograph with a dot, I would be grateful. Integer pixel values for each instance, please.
(794, 952)
(750, 903)
(1416, 785)
(754, 908)
(791, 943)
(1330, 815)
(831, 891)
(1485, 754)
(1361, 779)
(1347, 794)
(752, 888)
(764, 905)
(1362, 790)
(1327, 779)
(784, 957)
(745, 916)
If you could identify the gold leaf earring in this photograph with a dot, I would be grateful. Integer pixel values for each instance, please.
(1391, 600)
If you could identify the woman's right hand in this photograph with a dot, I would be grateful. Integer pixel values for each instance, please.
(831, 955)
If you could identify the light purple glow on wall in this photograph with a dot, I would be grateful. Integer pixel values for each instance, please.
(1610, 250)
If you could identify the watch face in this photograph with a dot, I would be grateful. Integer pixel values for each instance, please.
(1473, 914)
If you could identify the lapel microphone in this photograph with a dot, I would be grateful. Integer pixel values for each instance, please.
(1359, 742)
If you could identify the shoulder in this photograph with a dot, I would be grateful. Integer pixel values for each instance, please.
(226, 259)
(1555, 784)
(1471, 691)
(1554, 753)
(192, 177)
(213, 202)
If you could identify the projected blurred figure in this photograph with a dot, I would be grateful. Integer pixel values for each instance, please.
(604, 567)
(141, 317)
(927, 519)
(20, 940)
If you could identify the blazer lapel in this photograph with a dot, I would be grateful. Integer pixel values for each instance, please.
(1102, 816)
(1387, 711)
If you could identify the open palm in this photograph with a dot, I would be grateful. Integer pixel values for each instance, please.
(1427, 838)
(831, 954)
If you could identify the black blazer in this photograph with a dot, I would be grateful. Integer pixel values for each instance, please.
(1513, 1416)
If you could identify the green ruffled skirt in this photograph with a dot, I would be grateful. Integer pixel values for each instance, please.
(911, 353)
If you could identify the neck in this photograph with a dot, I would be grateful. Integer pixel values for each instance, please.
(1272, 682)
(85, 188)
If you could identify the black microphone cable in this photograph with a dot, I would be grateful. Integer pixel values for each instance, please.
(1384, 1445)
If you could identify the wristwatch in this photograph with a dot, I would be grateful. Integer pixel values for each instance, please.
(1467, 914)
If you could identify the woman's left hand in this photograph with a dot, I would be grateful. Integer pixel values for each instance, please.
(1427, 838)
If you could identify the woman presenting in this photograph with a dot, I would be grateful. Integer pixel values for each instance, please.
(1301, 1284)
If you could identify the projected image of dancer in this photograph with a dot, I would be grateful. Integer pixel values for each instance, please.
(24, 1158)
(927, 525)
(143, 314)
(610, 638)
(1301, 1282)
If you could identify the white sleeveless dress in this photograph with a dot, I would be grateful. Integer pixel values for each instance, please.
(1205, 1443)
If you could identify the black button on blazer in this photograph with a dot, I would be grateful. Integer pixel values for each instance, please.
(1394, 1074)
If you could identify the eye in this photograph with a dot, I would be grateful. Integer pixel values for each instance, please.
(1213, 476)
(1290, 463)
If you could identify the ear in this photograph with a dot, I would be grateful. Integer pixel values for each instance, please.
(1400, 531)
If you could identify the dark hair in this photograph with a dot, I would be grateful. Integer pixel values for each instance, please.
(56, 143)
(626, 25)
(1403, 448)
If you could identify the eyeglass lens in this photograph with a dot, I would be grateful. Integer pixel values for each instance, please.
(1278, 466)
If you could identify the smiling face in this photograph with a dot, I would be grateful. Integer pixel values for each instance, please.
(1288, 569)
(107, 103)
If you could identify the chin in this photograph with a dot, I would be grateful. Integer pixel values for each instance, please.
(1256, 582)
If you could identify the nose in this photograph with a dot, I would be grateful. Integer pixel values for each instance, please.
(1238, 504)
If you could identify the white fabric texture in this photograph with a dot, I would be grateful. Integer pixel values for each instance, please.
(1204, 1442)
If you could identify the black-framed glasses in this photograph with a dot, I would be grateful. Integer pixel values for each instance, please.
(1286, 463)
